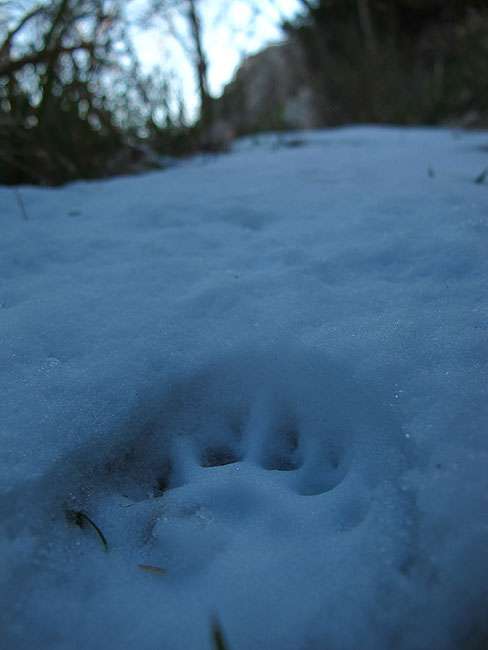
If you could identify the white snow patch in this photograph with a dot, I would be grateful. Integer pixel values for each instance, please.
(264, 373)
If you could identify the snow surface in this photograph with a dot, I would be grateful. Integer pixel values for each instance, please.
(263, 372)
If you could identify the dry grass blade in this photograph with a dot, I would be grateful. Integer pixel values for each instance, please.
(154, 569)
(80, 519)
(21, 204)
(482, 177)
(218, 639)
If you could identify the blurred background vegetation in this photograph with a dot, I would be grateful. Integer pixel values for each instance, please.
(399, 61)
(75, 101)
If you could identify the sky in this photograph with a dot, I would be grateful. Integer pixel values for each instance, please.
(232, 30)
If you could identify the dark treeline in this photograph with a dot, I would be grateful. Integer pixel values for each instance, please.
(397, 61)
(74, 102)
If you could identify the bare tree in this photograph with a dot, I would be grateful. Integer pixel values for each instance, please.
(186, 21)
(200, 64)
(189, 39)
(57, 62)
(366, 25)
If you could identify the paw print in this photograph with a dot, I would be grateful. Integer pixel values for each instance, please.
(264, 481)
(256, 472)
(230, 453)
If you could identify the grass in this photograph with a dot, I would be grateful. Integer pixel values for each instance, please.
(482, 177)
(218, 640)
(25, 216)
(80, 519)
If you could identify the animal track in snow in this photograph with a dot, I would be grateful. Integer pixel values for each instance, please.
(309, 467)
(245, 453)
(261, 482)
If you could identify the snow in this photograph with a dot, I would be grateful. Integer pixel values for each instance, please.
(263, 372)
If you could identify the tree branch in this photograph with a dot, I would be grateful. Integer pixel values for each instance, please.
(307, 5)
(5, 47)
(41, 57)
